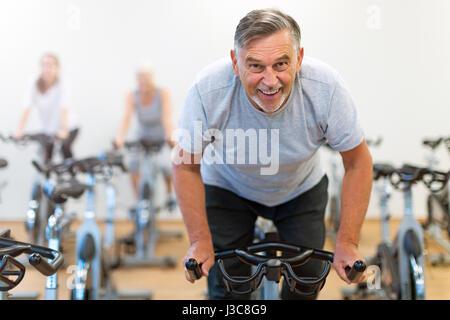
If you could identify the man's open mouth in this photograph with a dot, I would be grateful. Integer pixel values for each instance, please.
(270, 93)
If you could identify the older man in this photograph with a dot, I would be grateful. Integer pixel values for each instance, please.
(287, 106)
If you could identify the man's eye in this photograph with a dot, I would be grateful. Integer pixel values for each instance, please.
(255, 67)
(281, 66)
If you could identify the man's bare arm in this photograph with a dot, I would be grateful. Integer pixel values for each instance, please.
(355, 196)
(190, 192)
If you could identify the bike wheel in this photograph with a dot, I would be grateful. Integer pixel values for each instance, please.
(390, 279)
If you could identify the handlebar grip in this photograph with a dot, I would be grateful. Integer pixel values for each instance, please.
(194, 269)
(37, 166)
(356, 271)
(45, 267)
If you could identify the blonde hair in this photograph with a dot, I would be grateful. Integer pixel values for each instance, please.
(145, 68)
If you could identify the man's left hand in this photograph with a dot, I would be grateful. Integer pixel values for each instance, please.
(345, 255)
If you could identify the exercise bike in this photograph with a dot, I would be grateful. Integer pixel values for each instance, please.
(438, 210)
(270, 262)
(334, 202)
(92, 279)
(401, 262)
(39, 208)
(12, 271)
(58, 223)
(140, 244)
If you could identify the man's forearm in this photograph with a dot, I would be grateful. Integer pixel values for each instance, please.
(191, 200)
(355, 196)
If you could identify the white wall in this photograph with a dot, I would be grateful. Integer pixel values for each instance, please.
(392, 53)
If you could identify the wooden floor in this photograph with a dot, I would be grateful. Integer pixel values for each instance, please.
(170, 284)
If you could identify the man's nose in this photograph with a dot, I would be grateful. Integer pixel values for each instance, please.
(270, 77)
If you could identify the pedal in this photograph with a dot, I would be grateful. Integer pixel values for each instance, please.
(130, 244)
(132, 213)
(171, 205)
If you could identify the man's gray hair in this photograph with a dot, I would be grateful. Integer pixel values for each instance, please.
(262, 23)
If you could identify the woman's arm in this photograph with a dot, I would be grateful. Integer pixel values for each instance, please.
(22, 123)
(64, 131)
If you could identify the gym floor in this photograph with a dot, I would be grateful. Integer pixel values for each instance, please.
(170, 284)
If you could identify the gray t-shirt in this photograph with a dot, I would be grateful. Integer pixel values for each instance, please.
(267, 158)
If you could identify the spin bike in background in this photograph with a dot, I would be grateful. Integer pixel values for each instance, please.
(12, 271)
(92, 279)
(401, 262)
(438, 209)
(270, 262)
(140, 244)
(58, 223)
(39, 208)
(334, 191)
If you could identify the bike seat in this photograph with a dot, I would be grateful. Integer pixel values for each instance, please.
(382, 170)
(67, 189)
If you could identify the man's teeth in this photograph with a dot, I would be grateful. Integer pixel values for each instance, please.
(270, 92)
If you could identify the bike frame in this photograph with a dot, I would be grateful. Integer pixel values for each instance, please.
(334, 209)
(88, 270)
(407, 262)
(146, 233)
(434, 228)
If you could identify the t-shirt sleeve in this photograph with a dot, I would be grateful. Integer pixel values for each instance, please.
(30, 91)
(192, 124)
(343, 130)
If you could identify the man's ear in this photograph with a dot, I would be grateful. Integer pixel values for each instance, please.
(234, 60)
(299, 59)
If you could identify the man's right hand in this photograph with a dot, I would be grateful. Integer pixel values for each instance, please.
(203, 252)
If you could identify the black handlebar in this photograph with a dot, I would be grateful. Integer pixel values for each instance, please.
(45, 267)
(406, 176)
(274, 267)
(59, 169)
(432, 143)
(9, 249)
(87, 165)
(150, 146)
(97, 164)
(355, 271)
(15, 248)
(194, 269)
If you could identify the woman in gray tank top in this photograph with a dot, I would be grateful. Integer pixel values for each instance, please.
(153, 114)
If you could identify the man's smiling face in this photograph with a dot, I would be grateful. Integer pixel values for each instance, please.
(267, 68)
